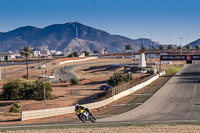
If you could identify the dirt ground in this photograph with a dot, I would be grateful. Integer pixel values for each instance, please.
(93, 76)
(122, 129)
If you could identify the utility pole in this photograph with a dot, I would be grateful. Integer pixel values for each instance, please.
(76, 32)
(151, 54)
(44, 88)
(5, 66)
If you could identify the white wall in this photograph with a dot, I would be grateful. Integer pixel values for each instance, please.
(68, 61)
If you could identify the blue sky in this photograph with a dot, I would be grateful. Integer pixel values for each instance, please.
(165, 21)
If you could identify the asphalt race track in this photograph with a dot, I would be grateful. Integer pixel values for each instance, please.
(177, 100)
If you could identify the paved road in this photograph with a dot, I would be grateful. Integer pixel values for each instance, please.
(67, 72)
(178, 99)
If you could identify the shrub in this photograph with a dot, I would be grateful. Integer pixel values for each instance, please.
(15, 108)
(15, 90)
(118, 78)
(74, 81)
(38, 87)
(12, 90)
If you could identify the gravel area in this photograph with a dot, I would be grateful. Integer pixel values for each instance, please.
(126, 129)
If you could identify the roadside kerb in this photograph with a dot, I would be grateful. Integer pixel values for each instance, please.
(34, 114)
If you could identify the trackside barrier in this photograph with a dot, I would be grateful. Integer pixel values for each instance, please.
(90, 58)
(34, 114)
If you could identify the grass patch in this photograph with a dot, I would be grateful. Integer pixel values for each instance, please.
(173, 70)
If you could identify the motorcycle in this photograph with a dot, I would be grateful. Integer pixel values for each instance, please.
(85, 116)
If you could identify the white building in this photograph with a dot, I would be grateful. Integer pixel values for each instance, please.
(58, 52)
(82, 54)
(36, 54)
(5, 56)
(52, 52)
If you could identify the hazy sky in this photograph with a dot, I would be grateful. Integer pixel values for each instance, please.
(165, 21)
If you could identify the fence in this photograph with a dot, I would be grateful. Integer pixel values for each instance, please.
(125, 86)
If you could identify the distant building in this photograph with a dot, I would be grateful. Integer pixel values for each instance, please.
(5, 56)
(36, 54)
(52, 52)
(44, 52)
(82, 54)
(58, 53)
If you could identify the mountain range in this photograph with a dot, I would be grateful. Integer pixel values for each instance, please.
(68, 37)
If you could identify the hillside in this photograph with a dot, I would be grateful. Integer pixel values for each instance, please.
(62, 37)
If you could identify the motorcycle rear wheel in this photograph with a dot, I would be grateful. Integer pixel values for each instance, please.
(82, 117)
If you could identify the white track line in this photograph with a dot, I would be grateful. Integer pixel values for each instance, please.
(195, 88)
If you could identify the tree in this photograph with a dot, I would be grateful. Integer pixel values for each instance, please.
(75, 54)
(170, 47)
(27, 51)
(188, 47)
(105, 51)
(143, 48)
(179, 47)
(16, 90)
(118, 78)
(128, 47)
(96, 51)
(12, 90)
(38, 90)
(197, 47)
(86, 53)
(70, 55)
(161, 47)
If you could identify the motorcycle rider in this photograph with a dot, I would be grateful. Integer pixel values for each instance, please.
(78, 107)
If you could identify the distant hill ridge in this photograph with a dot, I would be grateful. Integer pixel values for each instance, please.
(62, 37)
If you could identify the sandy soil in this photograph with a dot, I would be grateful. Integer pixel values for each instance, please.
(126, 129)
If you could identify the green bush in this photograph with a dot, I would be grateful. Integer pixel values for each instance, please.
(12, 90)
(74, 81)
(15, 90)
(38, 93)
(118, 78)
(15, 108)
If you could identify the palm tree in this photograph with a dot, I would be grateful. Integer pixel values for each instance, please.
(27, 51)
(128, 47)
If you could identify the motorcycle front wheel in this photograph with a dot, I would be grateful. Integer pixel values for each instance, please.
(93, 118)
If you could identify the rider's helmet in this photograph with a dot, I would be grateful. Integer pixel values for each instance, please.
(77, 106)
